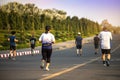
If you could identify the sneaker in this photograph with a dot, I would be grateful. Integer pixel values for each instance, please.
(13, 59)
(47, 69)
(107, 63)
(42, 65)
(104, 64)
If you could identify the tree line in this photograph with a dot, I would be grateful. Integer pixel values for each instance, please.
(28, 17)
(14, 16)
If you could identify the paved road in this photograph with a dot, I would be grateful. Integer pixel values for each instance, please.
(65, 65)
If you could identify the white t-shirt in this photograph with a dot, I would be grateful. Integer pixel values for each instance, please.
(47, 38)
(105, 37)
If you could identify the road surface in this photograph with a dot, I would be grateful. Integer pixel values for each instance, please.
(65, 65)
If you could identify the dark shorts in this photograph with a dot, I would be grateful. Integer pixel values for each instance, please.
(78, 46)
(32, 46)
(12, 47)
(105, 51)
(46, 54)
(96, 46)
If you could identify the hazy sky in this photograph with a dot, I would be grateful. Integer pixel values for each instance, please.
(96, 10)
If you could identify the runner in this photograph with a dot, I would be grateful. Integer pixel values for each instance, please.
(78, 42)
(47, 40)
(105, 37)
(12, 39)
(32, 44)
(96, 43)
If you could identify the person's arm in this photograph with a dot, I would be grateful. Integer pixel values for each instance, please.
(53, 39)
(15, 40)
(82, 41)
(110, 36)
(75, 41)
(8, 39)
(40, 38)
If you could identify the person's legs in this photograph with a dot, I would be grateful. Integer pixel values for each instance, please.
(108, 57)
(43, 60)
(10, 55)
(11, 51)
(14, 54)
(49, 53)
(80, 52)
(77, 50)
(96, 48)
(103, 56)
(32, 49)
(108, 54)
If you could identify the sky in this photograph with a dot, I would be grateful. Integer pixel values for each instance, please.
(95, 10)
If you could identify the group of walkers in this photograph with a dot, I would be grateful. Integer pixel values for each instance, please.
(47, 39)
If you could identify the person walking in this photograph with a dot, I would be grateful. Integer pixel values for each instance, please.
(12, 39)
(96, 43)
(47, 39)
(32, 44)
(105, 42)
(78, 42)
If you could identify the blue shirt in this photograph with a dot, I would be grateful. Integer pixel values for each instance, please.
(12, 42)
(78, 40)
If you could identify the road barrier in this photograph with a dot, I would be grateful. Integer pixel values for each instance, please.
(19, 53)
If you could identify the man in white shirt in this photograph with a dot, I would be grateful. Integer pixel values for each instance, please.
(105, 43)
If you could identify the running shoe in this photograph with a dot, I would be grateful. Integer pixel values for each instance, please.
(13, 59)
(42, 64)
(47, 69)
(104, 64)
(107, 63)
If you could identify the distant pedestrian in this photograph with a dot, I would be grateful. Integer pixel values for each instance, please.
(12, 39)
(47, 39)
(32, 44)
(105, 42)
(78, 42)
(96, 43)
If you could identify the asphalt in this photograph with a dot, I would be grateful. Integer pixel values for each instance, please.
(65, 64)
(95, 70)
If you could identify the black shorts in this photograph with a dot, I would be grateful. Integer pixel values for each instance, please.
(78, 46)
(12, 47)
(46, 54)
(96, 46)
(105, 51)
(32, 46)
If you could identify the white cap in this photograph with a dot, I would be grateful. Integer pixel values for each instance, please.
(79, 33)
